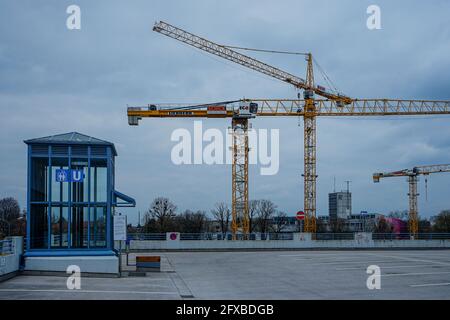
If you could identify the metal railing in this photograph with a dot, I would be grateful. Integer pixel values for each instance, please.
(285, 236)
(407, 236)
(6, 247)
(277, 236)
(334, 236)
(202, 236)
(146, 236)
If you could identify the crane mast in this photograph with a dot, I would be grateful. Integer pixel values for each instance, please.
(412, 174)
(239, 212)
(309, 161)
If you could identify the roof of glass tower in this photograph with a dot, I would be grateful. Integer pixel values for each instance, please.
(71, 138)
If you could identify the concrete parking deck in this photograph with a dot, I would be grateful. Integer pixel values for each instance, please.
(421, 274)
(158, 286)
(314, 274)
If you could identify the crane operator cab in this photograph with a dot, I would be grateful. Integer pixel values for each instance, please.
(247, 109)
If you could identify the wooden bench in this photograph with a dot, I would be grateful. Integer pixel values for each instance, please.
(148, 263)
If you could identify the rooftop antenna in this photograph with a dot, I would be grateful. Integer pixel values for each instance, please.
(139, 219)
(334, 184)
(348, 185)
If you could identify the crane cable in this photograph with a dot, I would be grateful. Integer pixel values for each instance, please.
(327, 79)
(264, 50)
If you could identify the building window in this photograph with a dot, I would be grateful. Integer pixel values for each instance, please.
(59, 225)
(80, 189)
(39, 226)
(79, 227)
(60, 190)
(98, 227)
(99, 180)
(39, 180)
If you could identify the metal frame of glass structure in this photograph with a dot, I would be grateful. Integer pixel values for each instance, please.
(71, 218)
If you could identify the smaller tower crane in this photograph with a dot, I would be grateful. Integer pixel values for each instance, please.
(412, 175)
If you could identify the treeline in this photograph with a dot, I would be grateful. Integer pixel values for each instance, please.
(162, 216)
(437, 224)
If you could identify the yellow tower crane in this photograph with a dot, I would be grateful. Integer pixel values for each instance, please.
(412, 174)
(334, 104)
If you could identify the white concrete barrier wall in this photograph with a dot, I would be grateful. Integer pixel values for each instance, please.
(87, 264)
(300, 241)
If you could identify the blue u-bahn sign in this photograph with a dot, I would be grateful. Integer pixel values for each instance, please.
(69, 175)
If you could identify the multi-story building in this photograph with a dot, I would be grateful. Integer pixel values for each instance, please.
(339, 205)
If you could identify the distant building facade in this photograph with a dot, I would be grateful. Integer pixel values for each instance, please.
(339, 205)
(360, 222)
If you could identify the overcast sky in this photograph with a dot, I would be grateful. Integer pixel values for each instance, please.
(54, 80)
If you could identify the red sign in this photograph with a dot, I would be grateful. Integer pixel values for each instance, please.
(300, 215)
(173, 236)
(216, 110)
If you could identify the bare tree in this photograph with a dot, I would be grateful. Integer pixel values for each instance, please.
(383, 226)
(442, 222)
(9, 215)
(222, 214)
(191, 222)
(265, 212)
(424, 226)
(9, 209)
(253, 207)
(162, 212)
(338, 225)
(281, 222)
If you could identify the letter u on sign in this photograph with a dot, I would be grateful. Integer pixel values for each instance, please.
(77, 175)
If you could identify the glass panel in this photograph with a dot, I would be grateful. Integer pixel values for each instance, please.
(98, 180)
(60, 190)
(98, 227)
(60, 218)
(79, 227)
(80, 189)
(39, 179)
(38, 227)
